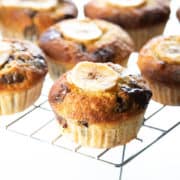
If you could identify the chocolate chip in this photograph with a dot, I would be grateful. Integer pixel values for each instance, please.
(62, 93)
(39, 56)
(11, 78)
(138, 95)
(121, 105)
(62, 121)
(11, 58)
(83, 123)
(104, 54)
(39, 63)
(8, 78)
(3, 64)
(18, 78)
(141, 97)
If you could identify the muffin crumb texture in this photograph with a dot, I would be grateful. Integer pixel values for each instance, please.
(159, 62)
(100, 98)
(28, 19)
(22, 71)
(142, 19)
(73, 41)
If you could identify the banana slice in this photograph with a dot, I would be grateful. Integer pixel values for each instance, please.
(169, 51)
(5, 50)
(33, 4)
(5, 47)
(80, 31)
(127, 3)
(93, 76)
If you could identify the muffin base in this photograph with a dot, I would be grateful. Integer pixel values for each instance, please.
(165, 94)
(105, 135)
(142, 35)
(56, 69)
(13, 102)
(9, 33)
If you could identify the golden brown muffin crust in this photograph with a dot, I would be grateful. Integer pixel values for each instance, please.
(153, 12)
(74, 104)
(22, 67)
(29, 21)
(155, 68)
(114, 45)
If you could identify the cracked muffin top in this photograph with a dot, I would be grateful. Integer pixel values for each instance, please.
(129, 14)
(31, 17)
(98, 93)
(72, 41)
(22, 64)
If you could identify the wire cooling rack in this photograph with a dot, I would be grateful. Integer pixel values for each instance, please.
(38, 123)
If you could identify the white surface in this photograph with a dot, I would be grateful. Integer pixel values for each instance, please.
(166, 118)
(24, 158)
(161, 161)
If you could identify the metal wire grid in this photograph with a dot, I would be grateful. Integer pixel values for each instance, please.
(38, 123)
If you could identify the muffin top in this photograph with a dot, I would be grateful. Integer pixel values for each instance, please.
(129, 14)
(22, 64)
(34, 15)
(178, 14)
(98, 93)
(72, 41)
(159, 59)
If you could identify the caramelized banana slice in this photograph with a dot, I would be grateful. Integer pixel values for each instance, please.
(93, 76)
(127, 3)
(33, 4)
(169, 50)
(80, 31)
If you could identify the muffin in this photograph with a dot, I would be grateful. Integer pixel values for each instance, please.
(99, 104)
(73, 41)
(178, 14)
(159, 63)
(22, 71)
(28, 19)
(142, 19)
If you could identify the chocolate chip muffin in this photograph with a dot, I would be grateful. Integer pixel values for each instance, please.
(28, 19)
(159, 62)
(99, 104)
(22, 71)
(73, 41)
(142, 19)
